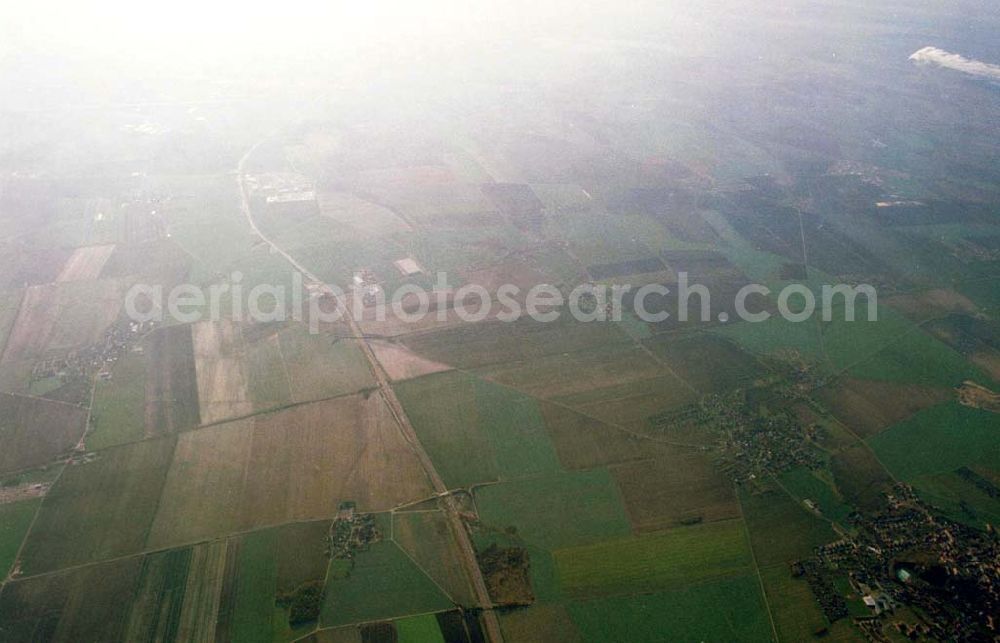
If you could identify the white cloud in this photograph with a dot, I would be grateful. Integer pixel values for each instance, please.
(942, 58)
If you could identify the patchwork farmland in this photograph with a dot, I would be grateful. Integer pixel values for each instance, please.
(195, 447)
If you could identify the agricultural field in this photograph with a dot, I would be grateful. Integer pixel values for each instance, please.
(384, 583)
(291, 465)
(781, 529)
(35, 431)
(730, 609)
(557, 510)
(15, 520)
(681, 487)
(253, 472)
(939, 439)
(80, 604)
(655, 562)
(100, 509)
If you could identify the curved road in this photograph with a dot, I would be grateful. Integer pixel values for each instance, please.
(468, 553)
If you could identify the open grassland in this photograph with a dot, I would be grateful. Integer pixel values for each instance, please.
(682, 487)
(427, 537)
(15, 519)
(655, 562)
(384, 583)
(34, 431)
(558, 510)
(781, 529)
(86, 604)
(727, 610)
(295, 464)
(99, 510)
(939, 439)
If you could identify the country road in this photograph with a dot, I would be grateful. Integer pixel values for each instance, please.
(468, 553)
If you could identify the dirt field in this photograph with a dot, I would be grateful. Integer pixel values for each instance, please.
(402, 364)
(867, 407)
(295, 464)
(85, 263)
(59, 317)
(582, 442)
(932, 303)
(33, 431)
(978, 396)
(989, 361)
(222, 385)
(577, 372)
(308, 459)
(681, 488)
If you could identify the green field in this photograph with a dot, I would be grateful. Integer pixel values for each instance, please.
(807, 485)
(251, 613)
(514, 425)
(891, 348)
(960, 499)
(99, 510)
(728, 610)
(655, 562)
(781, 529)
(118, 414)
(384, 584)
(15, 519)
(797, 616)
(443, 413)
(426, 536)
(477, 431)
(553, 511)
(419, 629)
(84, 604)
(939, 439)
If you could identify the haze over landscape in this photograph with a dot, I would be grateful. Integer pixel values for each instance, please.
(475, 321)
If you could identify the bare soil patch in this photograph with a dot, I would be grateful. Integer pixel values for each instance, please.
(86, 263)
